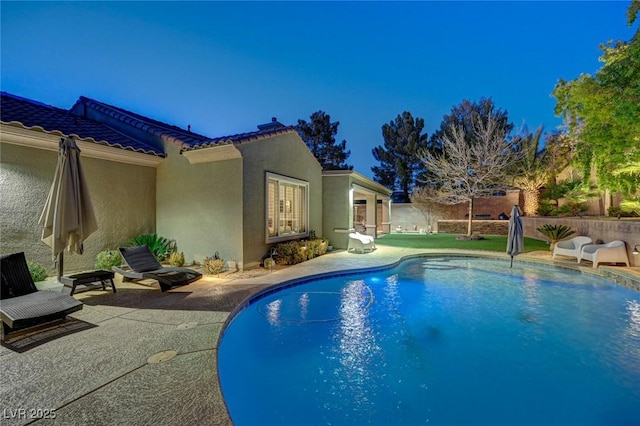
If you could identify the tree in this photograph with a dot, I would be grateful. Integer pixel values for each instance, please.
(466, 115)
(427, 200)
(319, 135)
(467, 170)
(399, 162)
(602, 113)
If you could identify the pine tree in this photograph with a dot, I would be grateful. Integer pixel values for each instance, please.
(400, 164)
(319, 135)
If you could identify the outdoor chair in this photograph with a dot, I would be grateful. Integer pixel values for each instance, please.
(22, 305)
(571, 247)
(613, 252)
(360, 242)
(143, 265)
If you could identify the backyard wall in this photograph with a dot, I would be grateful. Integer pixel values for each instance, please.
(123, 197)
(481, 227)
(200, 206)
(606, 230)
(409, 216)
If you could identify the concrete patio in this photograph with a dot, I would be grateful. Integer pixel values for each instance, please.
(150, 357)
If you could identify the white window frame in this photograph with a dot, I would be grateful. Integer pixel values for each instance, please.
(289, 181)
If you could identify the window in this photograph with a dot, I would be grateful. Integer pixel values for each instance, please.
(287, 208)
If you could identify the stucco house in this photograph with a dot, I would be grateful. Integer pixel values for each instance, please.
(236, 195)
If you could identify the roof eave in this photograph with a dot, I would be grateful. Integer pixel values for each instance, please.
(37, 137)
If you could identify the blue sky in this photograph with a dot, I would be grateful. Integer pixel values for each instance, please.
(224, 67)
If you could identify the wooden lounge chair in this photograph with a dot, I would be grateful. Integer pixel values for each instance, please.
(613, 252)
(571, 247)
(143, 265)
(360, 242)
(23, 305)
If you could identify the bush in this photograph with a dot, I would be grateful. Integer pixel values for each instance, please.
(176, 259)
(161, 247)
(108, 258)
(555, 233)
(37, 271)
(297, 251)
(619, 212)
(214, 265)
(547, 208)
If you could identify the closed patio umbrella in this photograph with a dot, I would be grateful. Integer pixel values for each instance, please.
(68, 217)
(515, 239)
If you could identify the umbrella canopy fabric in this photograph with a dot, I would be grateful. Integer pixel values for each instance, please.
(68, 217)
(515, 239)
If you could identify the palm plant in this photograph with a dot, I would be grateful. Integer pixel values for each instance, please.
(161, 247)
(555, 233)
(532, 171)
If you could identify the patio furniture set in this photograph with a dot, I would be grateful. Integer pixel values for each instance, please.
(582, 248)
(24, 306)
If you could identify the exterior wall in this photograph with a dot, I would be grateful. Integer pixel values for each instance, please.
(408, 217)
(337, 211)
(286, 155)
(605, 230)
(123, 197)
(492, 206)
(340, 190)
(480, 227)
(200, 206)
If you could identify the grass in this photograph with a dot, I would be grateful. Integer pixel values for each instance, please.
(448, 241)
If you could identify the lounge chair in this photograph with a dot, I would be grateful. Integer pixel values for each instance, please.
(143, 265)
(571, 247)
(23, 305)
(360, 242)
(613, 252)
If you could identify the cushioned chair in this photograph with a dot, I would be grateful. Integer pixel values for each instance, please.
(23, 305)
(360, 242)
(143, 265)
(613, 252)
(571, 247)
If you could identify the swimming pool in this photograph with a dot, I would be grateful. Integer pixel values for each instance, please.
(446, 341)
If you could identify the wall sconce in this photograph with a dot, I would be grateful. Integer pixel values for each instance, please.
(636, 249)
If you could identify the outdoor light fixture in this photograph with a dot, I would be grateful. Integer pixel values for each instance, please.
(636, 249)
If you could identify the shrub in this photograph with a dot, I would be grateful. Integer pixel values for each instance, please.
(37, 271)
(296, 251)
(161, 247)
(620, 212)
(108, 258)
(555, 233)
(214, 265)
(176, 259)
(547, 208)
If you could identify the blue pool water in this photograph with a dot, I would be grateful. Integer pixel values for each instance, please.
(444, 341)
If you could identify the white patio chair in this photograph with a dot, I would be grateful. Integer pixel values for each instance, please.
(360, 242)
(613, 252)
(571, 247)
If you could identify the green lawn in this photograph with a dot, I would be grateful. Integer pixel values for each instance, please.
(448, 241)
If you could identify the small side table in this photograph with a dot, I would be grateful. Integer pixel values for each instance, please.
(86, 278)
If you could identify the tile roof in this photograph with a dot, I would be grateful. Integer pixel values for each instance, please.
(163, 131)
(243, 138)
(33, 115)
(186, 139)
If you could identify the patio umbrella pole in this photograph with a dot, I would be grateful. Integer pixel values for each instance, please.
(60, 264)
